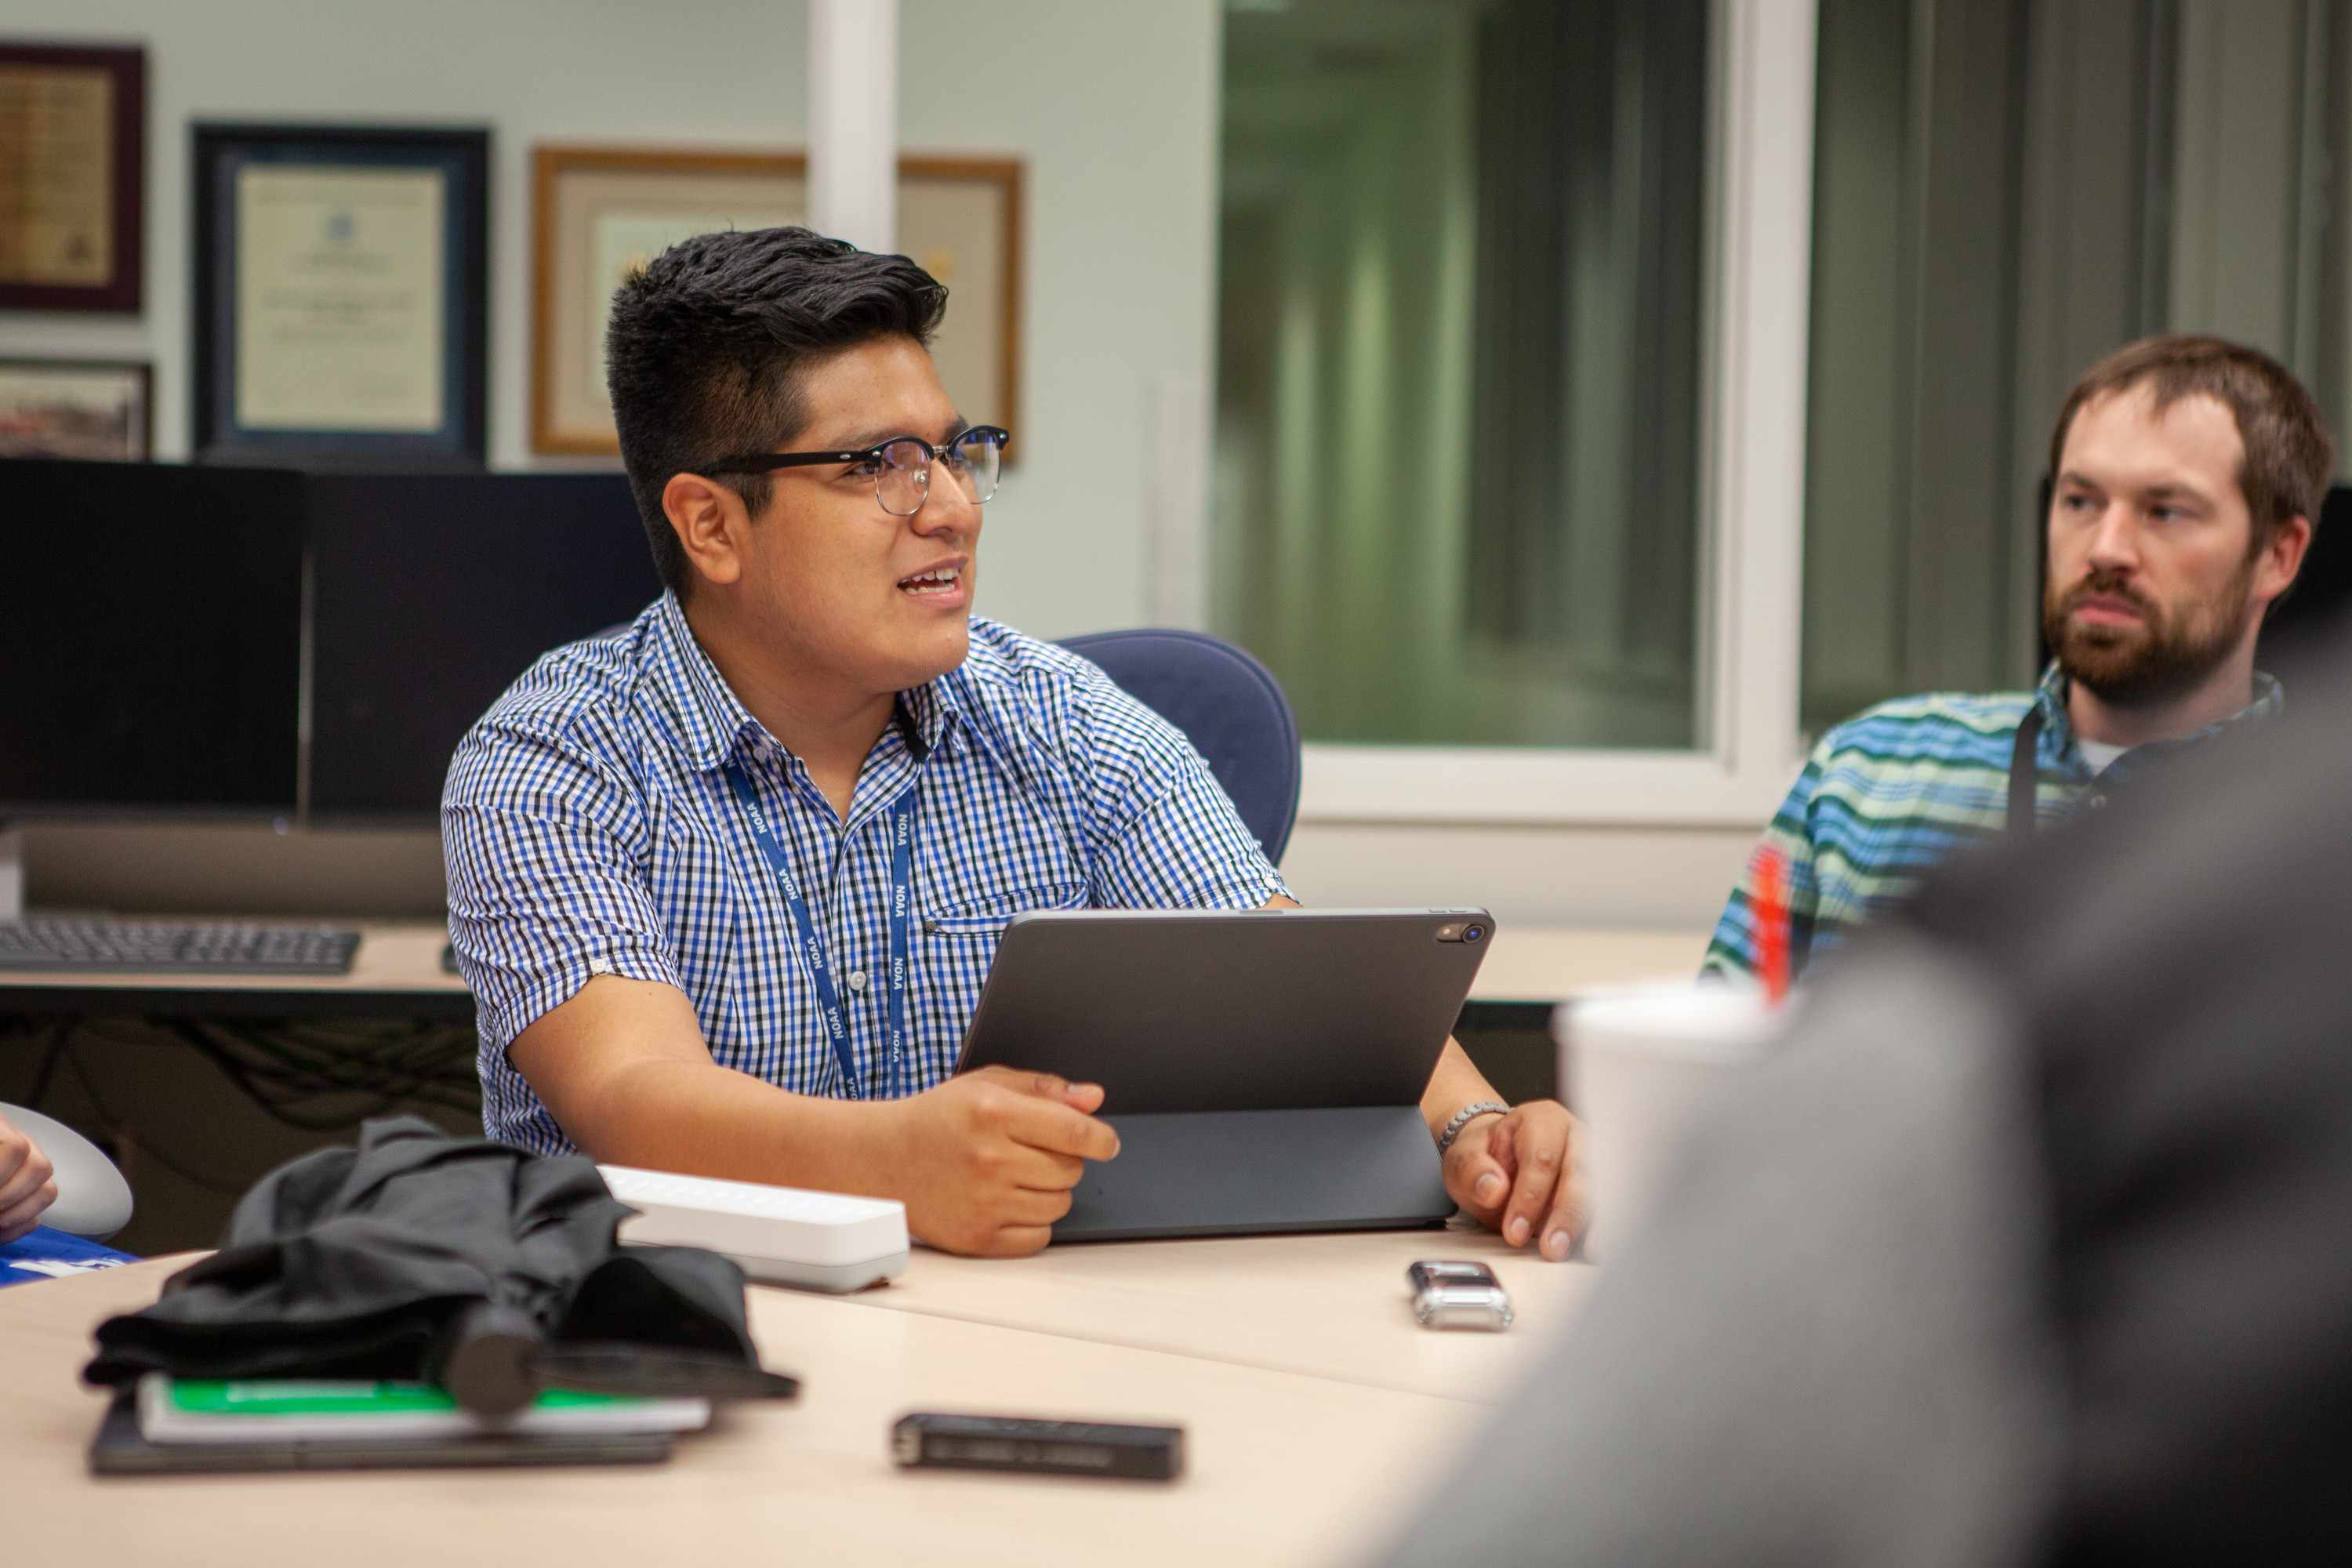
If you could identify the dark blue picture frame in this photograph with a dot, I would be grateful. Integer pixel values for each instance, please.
(463, 157)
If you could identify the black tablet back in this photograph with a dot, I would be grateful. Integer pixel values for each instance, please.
(1263, 1069)
(1183, 1010)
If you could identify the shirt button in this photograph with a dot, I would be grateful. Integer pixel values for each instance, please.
(858, 979)
(2097, 801)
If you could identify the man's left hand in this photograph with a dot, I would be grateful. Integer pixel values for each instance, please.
(1516, 1174)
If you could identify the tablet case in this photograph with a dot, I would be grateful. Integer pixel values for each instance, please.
(1263, 1069)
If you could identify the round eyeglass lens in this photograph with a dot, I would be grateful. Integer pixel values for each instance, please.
(973, 459)
(903, 478)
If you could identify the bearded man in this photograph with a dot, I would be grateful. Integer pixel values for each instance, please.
(2186, 472)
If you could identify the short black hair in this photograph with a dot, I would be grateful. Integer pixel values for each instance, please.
(706, 343)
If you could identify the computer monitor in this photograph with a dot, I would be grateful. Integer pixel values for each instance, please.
(430, 595)
(151, 636)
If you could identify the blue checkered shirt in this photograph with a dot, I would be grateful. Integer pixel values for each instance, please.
(589, 829)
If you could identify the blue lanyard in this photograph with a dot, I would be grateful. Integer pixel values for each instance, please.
(897, 1065)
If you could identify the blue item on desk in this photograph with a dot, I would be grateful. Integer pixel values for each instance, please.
(49, 1254)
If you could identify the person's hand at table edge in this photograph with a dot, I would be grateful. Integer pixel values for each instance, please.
(1512, 1171)
(986, 1161)
(1515, 1172)
(27, 1183)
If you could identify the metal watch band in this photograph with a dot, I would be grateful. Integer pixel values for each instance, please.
(1464, 1117)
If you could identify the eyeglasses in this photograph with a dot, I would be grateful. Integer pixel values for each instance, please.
(901, 466)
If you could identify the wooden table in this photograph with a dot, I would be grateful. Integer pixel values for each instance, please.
(1316, 1412)
(1548, 963)
(397, 973)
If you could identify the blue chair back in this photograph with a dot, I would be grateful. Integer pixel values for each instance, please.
(1228, 705)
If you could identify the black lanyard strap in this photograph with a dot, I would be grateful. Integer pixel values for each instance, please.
(2025, 771)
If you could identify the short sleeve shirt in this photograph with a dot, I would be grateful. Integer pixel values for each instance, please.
(1890, 792)
(589, 828)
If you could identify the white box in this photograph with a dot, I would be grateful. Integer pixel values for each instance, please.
(779, 1236)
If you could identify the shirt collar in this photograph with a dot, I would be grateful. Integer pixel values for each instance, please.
(931, 710)
(706, 719)
(2051, 698)
(709, 721)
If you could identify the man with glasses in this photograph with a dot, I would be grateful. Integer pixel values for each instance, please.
(726, 885)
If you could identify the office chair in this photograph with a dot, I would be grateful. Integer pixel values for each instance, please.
(1228, 705)
(93, 1200)
(2303, 628)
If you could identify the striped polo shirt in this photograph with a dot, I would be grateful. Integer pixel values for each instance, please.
(1891, 792)
(589, 828)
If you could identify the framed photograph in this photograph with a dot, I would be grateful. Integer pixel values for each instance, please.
(604, 211)
(73, 182)
(75, 408)
(342, 296)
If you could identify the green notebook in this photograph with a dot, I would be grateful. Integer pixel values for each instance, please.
(309, 1410)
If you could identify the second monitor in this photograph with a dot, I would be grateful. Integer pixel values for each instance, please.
(150, 639)
(430, 595)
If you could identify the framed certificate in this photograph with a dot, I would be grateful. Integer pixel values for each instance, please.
(341, 283)
(604, 211)
(75, 408)
(73, 137)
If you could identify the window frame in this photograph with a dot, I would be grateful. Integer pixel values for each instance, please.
(1760, 284)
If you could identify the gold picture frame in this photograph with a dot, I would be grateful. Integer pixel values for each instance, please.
(602, 210)
(73, 182)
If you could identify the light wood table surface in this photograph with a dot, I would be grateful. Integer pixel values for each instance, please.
(1546, 963)
(1332, 1306)
(398, 966)
(1529, 963)
(1316, 1412)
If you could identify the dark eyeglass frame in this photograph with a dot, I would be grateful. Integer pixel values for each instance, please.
(766, 462)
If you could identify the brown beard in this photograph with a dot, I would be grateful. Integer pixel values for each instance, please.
(2167, 654)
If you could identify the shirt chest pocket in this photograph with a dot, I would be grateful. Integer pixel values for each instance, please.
(987, 916)
(1022, 861)
(974, 894)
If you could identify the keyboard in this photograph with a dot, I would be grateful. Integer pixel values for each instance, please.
(121, 946)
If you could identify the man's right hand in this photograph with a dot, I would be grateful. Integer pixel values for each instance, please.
(25, 1185)
(986, 1161)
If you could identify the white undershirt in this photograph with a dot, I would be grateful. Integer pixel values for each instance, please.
(2099, 755)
